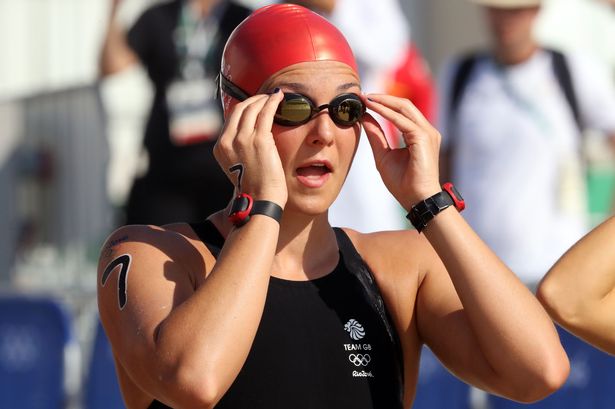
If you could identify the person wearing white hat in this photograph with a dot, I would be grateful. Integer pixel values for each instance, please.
(512, 118)
(508, 3)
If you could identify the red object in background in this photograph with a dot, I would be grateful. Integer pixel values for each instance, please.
(412, 79)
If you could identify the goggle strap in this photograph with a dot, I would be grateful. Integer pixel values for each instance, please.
(233, 90)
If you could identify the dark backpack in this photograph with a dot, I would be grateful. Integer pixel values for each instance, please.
(560, 68)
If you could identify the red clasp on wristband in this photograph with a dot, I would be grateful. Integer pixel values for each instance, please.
(460, 204)
(240, 209)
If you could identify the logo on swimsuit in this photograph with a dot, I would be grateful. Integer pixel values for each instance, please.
(355, 329)
(359, 359)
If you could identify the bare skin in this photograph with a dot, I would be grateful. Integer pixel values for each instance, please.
(578, 290)
(512, 33)
(189, 320)
(323, 6)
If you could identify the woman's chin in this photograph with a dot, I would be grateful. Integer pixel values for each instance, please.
(310, 206)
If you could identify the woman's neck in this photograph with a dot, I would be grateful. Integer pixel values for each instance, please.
(307, 247)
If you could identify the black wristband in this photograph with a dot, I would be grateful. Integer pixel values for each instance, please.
(267, 208)
(425, 210)
(243, 207)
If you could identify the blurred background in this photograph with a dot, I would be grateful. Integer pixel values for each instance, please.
(71, 146)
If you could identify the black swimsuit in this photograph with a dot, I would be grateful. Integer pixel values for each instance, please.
(324, 343)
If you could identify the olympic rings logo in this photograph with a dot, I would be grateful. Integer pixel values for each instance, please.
(359, 359)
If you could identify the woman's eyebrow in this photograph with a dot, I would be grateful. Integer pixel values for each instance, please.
(348, 85)
(297, 86)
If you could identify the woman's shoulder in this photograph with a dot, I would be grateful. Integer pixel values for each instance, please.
(139, 234)
(395, 259)
(391, 243)
(391, 254)
(151, 261)
(173, 242)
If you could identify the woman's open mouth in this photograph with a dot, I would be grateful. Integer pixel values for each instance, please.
(315, 174)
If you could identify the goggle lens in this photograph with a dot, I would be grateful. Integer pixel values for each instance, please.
(348, 111)
(296, 109)
(293, 111)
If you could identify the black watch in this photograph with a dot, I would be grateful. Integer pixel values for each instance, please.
(425, 210)
(243, 207)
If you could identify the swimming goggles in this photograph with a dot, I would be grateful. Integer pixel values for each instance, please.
(297, 109)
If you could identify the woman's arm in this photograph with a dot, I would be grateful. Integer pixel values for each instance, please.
(180, 345)
(479, 318)
(181, 337)
(578, 290)
(115, 54)
(472, 310)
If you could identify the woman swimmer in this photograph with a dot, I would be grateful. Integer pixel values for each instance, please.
(267, 308)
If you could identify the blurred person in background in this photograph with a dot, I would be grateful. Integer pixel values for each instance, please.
(180, 45)
(389, 62)
(512, 119)
(578, 291)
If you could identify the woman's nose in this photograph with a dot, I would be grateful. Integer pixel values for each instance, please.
(322, 129)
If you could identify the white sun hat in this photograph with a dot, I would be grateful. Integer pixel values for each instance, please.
(508, 4)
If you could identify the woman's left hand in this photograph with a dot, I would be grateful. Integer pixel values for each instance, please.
(411, 172)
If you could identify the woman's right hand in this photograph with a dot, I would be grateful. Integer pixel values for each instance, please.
(246, 149)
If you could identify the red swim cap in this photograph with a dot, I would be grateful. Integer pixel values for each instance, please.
(277, 36)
